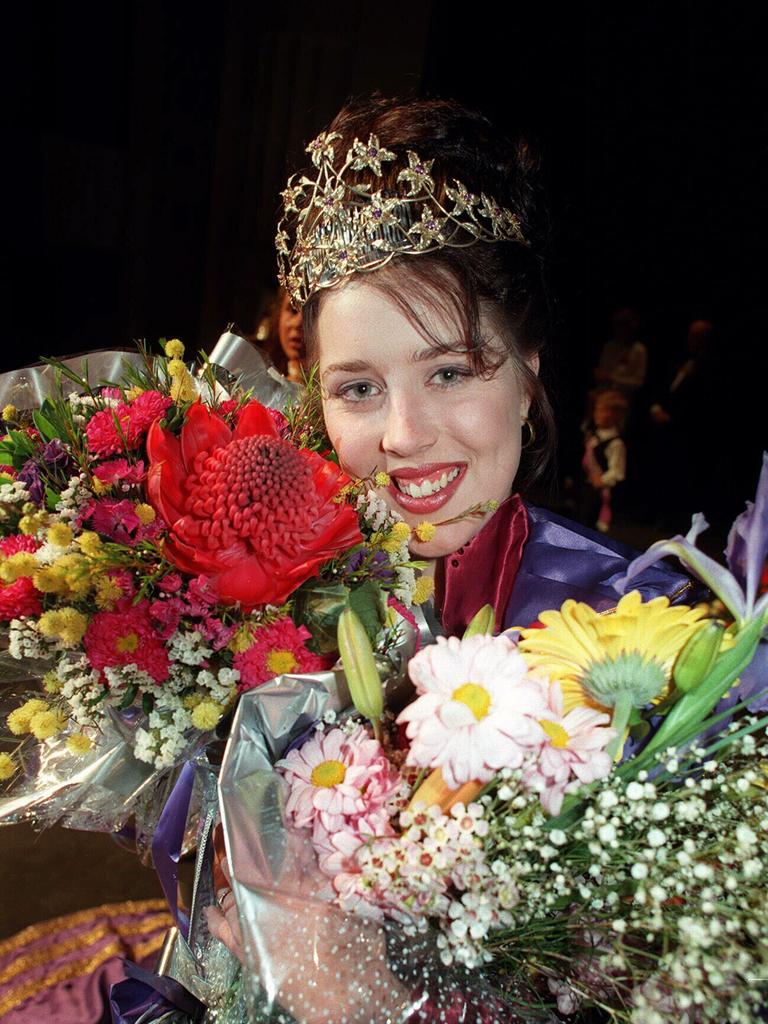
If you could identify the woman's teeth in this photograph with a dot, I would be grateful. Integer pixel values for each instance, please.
(428, 487)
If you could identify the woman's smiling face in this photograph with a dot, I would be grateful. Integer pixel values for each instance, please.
(449, 439)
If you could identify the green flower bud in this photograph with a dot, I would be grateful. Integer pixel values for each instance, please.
(360, 666)
(483, 621)
(695, 660)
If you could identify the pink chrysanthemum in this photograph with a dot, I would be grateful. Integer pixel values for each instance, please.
(572, 752)
(335, 780)
(276, 649)
(126, 636)
(102, 433)
(478, 710)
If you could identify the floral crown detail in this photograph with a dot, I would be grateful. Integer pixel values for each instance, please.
(341, 227)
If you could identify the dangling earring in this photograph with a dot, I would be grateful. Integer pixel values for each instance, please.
(531, 433)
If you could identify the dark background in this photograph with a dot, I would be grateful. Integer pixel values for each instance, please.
(148, 142)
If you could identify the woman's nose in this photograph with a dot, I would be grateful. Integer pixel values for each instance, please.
(409, 428)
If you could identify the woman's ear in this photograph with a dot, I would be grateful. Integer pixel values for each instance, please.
(532, 363)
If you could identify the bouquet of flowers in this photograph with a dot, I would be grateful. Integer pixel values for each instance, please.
(165, 545)
(580, 809)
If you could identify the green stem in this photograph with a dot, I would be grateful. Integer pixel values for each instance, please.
(622, 709)
(377, 733)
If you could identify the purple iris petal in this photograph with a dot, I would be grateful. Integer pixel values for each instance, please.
(719, 580)
(754, 679)
(747, 546)
(30, 477)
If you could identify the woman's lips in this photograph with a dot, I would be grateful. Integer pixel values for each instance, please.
(430, 502)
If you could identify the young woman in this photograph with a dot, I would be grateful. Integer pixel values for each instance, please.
(413, 245)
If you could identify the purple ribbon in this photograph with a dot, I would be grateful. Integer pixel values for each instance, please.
(143, 991)
(168, 840)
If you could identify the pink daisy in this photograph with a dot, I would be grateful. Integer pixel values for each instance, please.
(126, 636)
(572, 752)
(335, 779)
(276, 649)
(478, 710)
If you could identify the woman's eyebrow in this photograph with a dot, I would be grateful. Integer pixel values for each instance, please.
(354, 366)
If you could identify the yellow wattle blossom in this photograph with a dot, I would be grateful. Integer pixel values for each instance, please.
(32, 523)
(424, 589)
(397, 536)
(182, 385)
(50, 581)
(7, 767)
(176, 368)
(65, 624)
(51, 682)
(99, 486)
(78, 743)
(578, 641)
(242, 639)
(425, 531)
(206, 715)
(10, 412)
(20, 718)
(108, 593)
(89, 543)
(145, 513)
(23, 563)
(382, 479)
(60, 535)
(174, 348)
(132, 393)
(46, 724)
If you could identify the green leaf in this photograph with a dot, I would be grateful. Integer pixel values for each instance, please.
(44, 425)
(365, 602)
(128, 699)
(51, 498)
(147, 703)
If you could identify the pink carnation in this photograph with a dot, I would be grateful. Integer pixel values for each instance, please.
(572, 752)
(19, 598)
(276, 649)
(337, 780)
(102, 434)
(126, 636)
(18, 542)
(144, 410)
(167, 615)
(119, 470)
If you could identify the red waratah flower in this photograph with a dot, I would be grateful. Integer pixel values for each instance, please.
(245, 508)
(126, 636)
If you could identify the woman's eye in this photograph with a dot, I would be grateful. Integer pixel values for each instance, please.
(358, 391)
(449, 375)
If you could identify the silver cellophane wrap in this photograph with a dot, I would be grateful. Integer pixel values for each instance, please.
(103, 790)
(305, 959)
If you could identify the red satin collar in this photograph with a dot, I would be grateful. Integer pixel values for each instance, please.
(483, 571)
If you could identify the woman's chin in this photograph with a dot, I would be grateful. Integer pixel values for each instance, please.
(448, 539)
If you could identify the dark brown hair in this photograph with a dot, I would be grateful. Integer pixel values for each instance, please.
(502, 279)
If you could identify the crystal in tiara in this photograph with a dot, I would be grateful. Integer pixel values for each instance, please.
(340, 227)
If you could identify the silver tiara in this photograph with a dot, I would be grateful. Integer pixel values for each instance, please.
(340, 227)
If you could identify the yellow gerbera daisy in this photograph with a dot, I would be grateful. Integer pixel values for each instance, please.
(586, 651)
